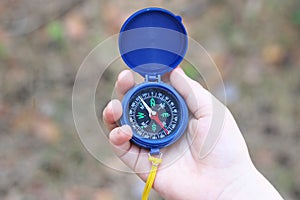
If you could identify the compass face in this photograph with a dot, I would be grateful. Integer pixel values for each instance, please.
(153, 113)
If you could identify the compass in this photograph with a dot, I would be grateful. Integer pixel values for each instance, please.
(152, 42)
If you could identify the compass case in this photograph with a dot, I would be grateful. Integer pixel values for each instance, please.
(159, 143)
(153, 41)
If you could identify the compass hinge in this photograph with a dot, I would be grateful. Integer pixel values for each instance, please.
(152, 78)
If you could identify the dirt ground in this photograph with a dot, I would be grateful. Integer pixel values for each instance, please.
(255, 44)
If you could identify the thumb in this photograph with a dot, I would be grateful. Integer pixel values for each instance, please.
(198, 99)
(208, 113)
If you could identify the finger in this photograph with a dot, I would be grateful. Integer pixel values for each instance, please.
(124, 83)
(198, 99)
(119, 138)
(132, 155)
(112, 113)
(166, 77)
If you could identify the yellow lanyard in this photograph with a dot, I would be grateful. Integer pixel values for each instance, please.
(155, 162)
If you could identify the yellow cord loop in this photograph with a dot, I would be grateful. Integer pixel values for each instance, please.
(155, 162)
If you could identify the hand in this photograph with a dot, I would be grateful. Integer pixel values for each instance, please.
(226, 172)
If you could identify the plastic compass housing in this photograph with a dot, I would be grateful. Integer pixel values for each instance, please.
(152, 42)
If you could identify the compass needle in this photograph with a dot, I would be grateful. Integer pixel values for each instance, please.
(150, 111)
(157, 120)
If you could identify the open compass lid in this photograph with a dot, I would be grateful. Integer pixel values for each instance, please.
(153, 41)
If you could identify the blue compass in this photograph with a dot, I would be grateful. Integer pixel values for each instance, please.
(152, 42)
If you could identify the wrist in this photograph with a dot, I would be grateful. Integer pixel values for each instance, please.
(251, 185)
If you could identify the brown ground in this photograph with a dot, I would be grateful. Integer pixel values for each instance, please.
(255, 44)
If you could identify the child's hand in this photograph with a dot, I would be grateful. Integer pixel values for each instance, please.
(226, 172)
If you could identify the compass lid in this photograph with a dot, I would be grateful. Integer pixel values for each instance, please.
(153, 41)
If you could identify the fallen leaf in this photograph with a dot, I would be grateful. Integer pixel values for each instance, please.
(273, 54)
(223, 63)
(78, 192)
(102, 194)
(72, 194)
(75, 26)
(113, 17)
(4, 109)
(45, 129)
(32, 121)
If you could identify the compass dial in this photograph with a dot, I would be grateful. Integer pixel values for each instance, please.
(153, 113)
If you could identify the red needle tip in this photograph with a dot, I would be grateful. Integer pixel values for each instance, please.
(157, 120)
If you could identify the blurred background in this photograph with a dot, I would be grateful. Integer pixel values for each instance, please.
(255, 44)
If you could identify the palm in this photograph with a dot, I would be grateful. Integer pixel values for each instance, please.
(181, 162)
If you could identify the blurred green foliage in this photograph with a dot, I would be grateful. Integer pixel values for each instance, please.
(3, 51)
(296, 16)
(55, 32)
(190, 70)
